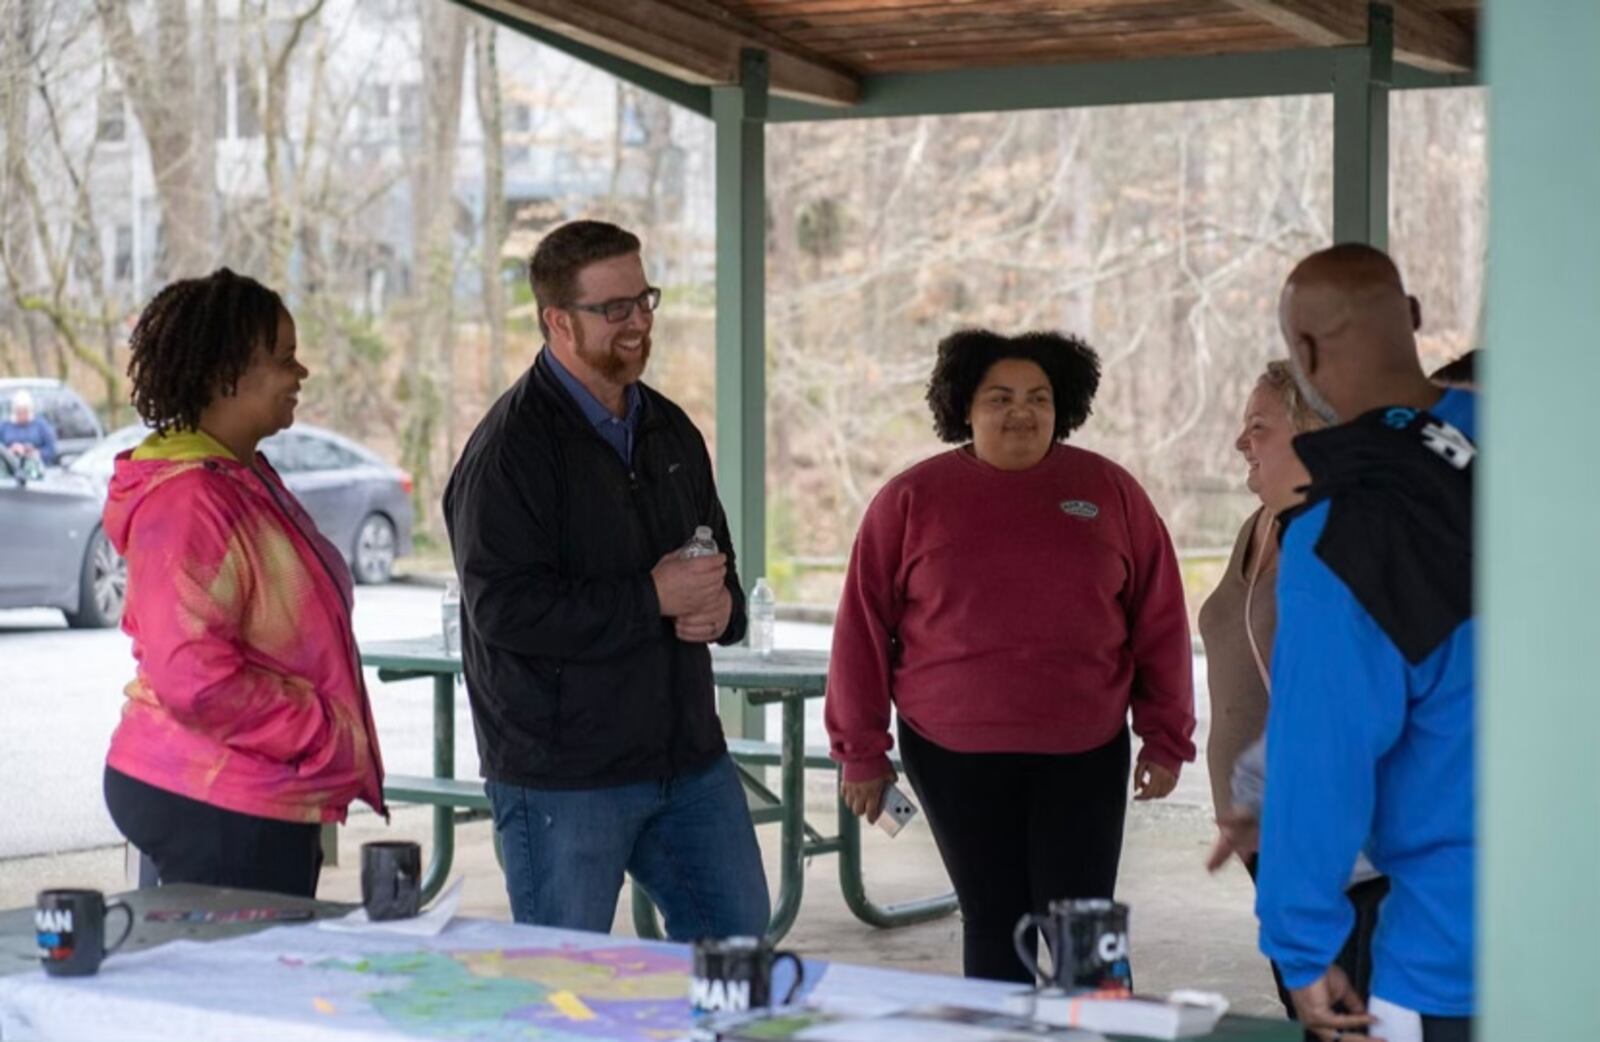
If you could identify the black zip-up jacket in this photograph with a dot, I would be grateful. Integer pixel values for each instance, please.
(576, 680)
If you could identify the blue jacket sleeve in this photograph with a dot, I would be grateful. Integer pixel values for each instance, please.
(1339, 691)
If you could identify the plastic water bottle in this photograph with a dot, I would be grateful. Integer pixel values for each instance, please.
(450, 617)
(763, 618)
(701, 544)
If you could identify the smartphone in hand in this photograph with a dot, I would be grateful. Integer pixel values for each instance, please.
(897, 810)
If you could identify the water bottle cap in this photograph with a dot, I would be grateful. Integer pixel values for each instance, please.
(702, 532)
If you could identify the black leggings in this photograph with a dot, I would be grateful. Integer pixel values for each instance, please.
(1017, 831)
(1447, 1029)
(194, 842)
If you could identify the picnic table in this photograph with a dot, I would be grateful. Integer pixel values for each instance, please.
(486, 979)
(787, 678)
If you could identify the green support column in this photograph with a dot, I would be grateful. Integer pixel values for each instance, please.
(1361, 134)
(740, 114)
(1539, 699)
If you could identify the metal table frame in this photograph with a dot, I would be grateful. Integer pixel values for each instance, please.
(788, 679)
(413, 660)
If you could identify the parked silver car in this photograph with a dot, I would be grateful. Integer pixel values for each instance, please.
(361, 503)
(76, 425)
(53, 553)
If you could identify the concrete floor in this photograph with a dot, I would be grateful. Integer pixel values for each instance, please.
(1189, 929)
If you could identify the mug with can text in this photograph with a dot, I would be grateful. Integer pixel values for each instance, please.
(70, 926)
(734, 975)
(1088, 942)
(391, 879)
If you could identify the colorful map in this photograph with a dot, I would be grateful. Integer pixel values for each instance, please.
(629, 993)
(474, 982)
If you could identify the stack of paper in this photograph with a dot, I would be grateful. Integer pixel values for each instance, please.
(1184, 1014)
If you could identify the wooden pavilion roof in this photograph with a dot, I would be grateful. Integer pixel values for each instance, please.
(820, 49)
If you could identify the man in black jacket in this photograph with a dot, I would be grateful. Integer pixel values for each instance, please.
(584, 632)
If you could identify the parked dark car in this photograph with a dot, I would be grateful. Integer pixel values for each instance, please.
(77, 427)
(53, 553)
(361, 503)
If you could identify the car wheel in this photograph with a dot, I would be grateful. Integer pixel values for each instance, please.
(375, 549)
(102, 586)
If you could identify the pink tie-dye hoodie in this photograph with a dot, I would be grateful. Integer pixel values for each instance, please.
(249, 694)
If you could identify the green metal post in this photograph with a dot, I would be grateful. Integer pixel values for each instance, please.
(1361, 134)
(1538, 704)
(444, 766)
(740, 113)
(791, 866)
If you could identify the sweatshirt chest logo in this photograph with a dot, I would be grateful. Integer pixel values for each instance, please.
(1080, 508)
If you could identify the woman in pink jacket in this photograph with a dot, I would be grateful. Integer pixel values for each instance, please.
(247, 725)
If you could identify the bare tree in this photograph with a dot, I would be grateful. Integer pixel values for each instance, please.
(158, 70)
(486, 76)
(67, 287)
(283, 202)
(430, 356)
(16, 234)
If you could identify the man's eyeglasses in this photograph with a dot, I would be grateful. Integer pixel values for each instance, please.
(621, 309)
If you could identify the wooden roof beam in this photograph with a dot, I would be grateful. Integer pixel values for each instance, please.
(1422, 37)
(695, 41)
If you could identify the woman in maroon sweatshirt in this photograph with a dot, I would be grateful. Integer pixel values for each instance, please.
(1013, 599)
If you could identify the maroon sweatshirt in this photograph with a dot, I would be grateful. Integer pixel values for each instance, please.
(1011, 611)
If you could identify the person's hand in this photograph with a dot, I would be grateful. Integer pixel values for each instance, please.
(1238, 832)
(689, 585)
(865, 798)
(704, 627)
(1151, 781)
(1317, 1006)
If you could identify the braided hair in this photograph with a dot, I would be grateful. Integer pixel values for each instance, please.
(194, 340)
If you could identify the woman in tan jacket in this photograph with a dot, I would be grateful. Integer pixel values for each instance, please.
(1239, 655)
(1237, 624)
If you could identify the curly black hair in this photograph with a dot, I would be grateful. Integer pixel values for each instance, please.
(1071, 365)
(194, 340)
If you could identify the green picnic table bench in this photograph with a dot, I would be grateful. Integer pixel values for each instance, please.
(786, 678)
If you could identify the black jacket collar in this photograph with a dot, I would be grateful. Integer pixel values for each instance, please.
(1398, 483)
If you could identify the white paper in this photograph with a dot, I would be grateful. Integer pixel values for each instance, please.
(427, 924)
(1394, 1023)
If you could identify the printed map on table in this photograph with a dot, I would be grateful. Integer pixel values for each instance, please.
(627, 993)
(476, 980)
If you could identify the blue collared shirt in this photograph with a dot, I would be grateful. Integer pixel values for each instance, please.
(619, 434)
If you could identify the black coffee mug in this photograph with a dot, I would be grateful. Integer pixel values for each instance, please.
(391, 880)
(734, 975)
(1088, 942)
(70, 926)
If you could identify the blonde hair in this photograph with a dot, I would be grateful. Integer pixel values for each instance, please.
(1279, 379)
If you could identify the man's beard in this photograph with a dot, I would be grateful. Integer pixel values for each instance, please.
(1310, 395)
(609, 363)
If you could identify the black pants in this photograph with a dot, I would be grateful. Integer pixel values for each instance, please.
(1446, 1029)
(194, 842)
(1355, 958)
(1017, 831)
